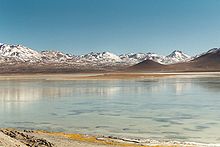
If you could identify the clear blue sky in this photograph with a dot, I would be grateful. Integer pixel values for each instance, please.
(119, 26)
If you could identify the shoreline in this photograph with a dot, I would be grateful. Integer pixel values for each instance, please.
(101, 76)
(23, 138)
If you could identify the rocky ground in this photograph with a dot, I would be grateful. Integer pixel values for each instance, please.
(9, 137)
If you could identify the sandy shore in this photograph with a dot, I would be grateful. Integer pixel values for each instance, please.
(18, 138)
(25, 138)
(39, 138)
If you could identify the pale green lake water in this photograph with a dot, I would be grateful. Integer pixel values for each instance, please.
(185, 109)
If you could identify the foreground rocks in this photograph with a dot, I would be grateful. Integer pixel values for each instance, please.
(23, 139)
(6, 141)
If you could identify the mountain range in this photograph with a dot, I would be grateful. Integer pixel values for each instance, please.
(208, 61)
(19, 53)
(18, 58)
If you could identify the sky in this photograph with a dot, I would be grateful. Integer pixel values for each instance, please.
(118, 26)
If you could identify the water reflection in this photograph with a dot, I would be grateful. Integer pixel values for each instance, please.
(176, 85)
(28, 91)
(208, 83)
(14, 91)
(181, 86)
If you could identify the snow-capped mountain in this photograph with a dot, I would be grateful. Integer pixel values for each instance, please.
(101, 57)
(174, 57)
(55, 56)
(18, 53)
(178, 56)
(136, 56)
(139, 57)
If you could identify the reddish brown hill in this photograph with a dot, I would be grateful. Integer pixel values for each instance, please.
(147, 65)
(210, 60)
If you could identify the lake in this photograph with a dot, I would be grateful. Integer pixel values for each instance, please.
(182, 108)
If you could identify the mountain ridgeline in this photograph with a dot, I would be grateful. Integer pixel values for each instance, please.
(21, 59)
